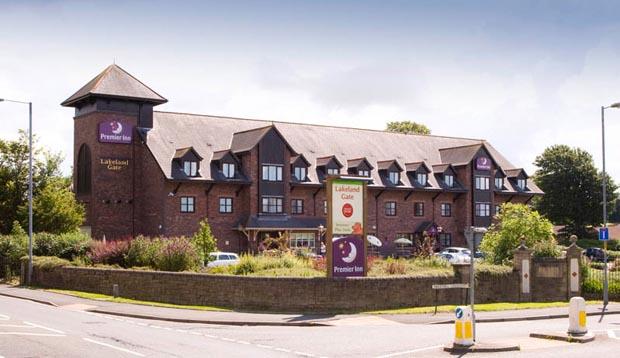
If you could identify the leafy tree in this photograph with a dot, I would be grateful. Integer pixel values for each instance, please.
(573, 188)
(408, 127)
(516, 221)
(55, 209)
(204, 240)
(14, 157)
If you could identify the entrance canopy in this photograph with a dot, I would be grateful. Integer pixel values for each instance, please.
(283, 222)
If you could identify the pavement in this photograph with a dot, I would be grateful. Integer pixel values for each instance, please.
(238, 318)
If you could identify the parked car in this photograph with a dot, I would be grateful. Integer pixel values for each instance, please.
(222, 259)
(457, 250)
(595, 254)
(453, 258)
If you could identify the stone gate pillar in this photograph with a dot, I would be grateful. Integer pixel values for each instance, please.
(522, 263)
(573, 264)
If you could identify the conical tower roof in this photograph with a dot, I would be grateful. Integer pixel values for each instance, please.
(114, 82)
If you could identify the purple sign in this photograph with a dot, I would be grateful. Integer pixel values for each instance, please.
(483, 163)
(348, 256)
(115, 132)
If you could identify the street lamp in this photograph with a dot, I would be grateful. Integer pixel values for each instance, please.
(471, 233)
(29, 276)
(605, 282)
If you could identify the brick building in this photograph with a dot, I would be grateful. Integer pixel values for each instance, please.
(140, 171)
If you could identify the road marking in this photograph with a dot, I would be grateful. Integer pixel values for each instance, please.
(243, 342)
(15, 325)
(612, 334)
(409, 352)
(31, 334)
(114, 347)
(43, 327)
(283, 350)
(264, 346)
(4, 317)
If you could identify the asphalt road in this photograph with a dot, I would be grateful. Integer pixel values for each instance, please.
(29, 329)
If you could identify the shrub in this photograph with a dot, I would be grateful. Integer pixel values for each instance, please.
(111, 252)
(320, 264)
(12, 248)
(395, 266)
(247, 265)
(177, 254)
(142, 252)
(204, 241)
(47, 263)
(67, 246)
(516, 221)
(547, 248)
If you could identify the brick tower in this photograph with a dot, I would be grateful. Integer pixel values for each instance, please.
(111, 113)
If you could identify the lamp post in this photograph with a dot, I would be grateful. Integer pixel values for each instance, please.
(29, 276)
(471, 233)
(605, 282)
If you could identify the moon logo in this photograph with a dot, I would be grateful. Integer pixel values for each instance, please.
(117, 127)
(352, 254)
(484, 161)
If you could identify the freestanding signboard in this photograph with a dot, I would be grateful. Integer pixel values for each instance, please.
(346, 227)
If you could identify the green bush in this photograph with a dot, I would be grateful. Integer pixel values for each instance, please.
(142, 252)
(12, 248)
(47, 263)
(546, 248)
(67, 246)
(204, 241)
(177, 254)
(247, 265)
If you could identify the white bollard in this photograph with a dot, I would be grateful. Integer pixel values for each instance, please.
(577, 317)
(463, 327)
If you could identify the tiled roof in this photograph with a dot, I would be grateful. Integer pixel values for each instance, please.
(207, 134)
(115, 82)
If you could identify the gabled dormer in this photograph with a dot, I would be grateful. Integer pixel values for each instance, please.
(500, 179)
(299, 168)
(518, 178)
(225, 165)
(446, 177)
(360, 167)
(389, 172)
(418, 173)
(186, 163)
(329, 165)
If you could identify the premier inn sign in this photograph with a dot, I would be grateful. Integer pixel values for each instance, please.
(346, 246)
(115, 132)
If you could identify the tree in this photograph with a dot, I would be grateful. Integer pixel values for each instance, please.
(204, 240)
(408, 127)
(14, 157)
(516, 221)
(55, 209)
(573, 188)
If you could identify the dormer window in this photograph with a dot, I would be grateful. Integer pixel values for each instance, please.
(394, 177)
(363, 172)
(228, 169)
(499, 183)
(422, 178)
(449, 180)
(521, 183)
(190, 168)
(300, 173)
(333, 171)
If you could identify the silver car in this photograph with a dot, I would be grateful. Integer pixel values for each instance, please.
(222, 259)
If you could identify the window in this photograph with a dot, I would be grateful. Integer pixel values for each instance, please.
(297, 206)
(418, 209)
(188, 204)
(446, 209)
(226, 205)
(422, 178)
(445, 239)
(302, 240)
(498, 208)
(499, 183)
(390, 208)
(190, 168)
(272, 172)
(333, 171)
(394, 177)
(229, 170)
(325, 207)
(483, 209)
(272, 205)
(482, 183)
(449, 180)
(83, 170)
(363, 172)
(300, 173)
(521, 184)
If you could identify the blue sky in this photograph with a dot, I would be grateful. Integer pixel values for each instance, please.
(521, 74)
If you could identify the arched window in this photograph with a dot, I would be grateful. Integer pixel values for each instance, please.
(83, 170)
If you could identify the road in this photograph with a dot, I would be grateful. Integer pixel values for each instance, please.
(29, 329)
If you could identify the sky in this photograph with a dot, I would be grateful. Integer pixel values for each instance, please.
(523, 75)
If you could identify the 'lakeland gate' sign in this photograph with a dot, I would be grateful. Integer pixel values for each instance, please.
(346, 227)
(115, 131)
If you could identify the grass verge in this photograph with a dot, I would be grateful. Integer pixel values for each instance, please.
(484, 307)
(106, 298)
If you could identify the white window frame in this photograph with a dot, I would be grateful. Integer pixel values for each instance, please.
(229, 170)
(272, 204)
(226, 205)
(302, 240)
(363, 172)
(499, 183)
(482, 182)
(422, 178)
(190, 168)
(300, 173)
(394, 177)
(188, 204)
(449, 180)
(333, 171)
(272, 172)
(483, 210)
(521, 183)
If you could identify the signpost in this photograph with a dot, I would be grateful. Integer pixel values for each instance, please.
(470, 235)
(346, 227)
(603, 235)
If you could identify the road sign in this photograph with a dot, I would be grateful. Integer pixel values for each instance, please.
(458, 312)
(603, 234)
